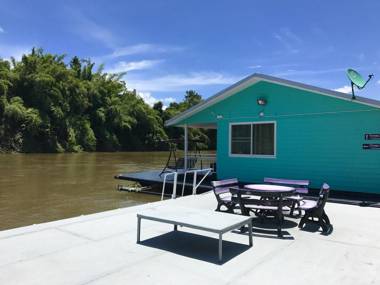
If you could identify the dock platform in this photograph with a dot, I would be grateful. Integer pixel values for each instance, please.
(101, 249)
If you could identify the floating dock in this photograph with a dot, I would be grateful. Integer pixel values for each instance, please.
(101, 249)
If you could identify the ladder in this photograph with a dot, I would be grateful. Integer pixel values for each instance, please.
(195, 172)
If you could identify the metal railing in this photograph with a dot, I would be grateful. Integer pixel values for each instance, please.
(175, 174)
(195, 172)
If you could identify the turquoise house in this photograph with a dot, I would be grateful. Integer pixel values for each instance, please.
(271, 127)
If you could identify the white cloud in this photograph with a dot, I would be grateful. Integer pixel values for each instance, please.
(151, 100)
(378, 81)
(344, 89)
(361, 56)
(142, 48)
(1, 30)
(148, 98)
(132, 49)
(16, 51)
(289, 40)
(255, 66)
(179, 82)
(290, 35)
(88, 28)
(123, 66)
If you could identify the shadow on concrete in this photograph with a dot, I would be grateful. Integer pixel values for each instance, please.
(266, 233)
(315, 228)
(196, 246)
(270, 223)
(267, 228)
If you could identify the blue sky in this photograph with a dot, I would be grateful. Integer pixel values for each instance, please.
(167, 47)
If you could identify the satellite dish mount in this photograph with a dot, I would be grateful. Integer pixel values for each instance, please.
(357, 80)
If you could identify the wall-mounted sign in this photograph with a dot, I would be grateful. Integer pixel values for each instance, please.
(372, 136)
(371, 146)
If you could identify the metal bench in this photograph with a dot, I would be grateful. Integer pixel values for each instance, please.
(210, 221)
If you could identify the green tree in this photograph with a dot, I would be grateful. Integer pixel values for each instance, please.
(206, 138)
(48, 105)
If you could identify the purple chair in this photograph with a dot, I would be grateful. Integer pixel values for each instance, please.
(223, 195)
(315, 210)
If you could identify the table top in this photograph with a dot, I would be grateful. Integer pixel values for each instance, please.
(269, 188)
(194, 218)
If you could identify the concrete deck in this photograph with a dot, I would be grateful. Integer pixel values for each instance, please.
(101, 249)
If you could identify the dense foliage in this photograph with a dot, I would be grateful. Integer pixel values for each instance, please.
(47, 105)
(204, 139)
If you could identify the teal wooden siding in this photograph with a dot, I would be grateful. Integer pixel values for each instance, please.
(318, 138)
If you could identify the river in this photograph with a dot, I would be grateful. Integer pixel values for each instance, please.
(37, 188)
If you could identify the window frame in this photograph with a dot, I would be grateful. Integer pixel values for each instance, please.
(274, 155)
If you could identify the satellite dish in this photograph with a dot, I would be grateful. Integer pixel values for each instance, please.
(357, 80)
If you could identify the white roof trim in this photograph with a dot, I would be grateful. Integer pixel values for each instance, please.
(254, 78)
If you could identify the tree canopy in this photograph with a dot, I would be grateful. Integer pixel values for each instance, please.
(48, 105)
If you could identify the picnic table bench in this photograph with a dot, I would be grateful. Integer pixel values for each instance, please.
(210, 221)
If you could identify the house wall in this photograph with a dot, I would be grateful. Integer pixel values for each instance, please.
(318, 138)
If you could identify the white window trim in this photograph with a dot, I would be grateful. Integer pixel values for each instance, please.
(252, 155)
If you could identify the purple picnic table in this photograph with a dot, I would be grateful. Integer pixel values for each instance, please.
(270, 203)
(270, 188)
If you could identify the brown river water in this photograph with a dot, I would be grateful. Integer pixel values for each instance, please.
(37, 188)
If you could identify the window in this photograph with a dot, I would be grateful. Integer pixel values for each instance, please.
(256, 139)
(241, 139)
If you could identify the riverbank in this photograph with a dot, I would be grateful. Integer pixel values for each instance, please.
(101, 249)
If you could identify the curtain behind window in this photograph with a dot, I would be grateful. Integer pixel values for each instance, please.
(263, 139)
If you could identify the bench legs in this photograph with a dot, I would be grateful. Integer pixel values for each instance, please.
(220, 247)
(279, 219)
(250, 233)
(295, 206)
(322, 220)
(138, 229)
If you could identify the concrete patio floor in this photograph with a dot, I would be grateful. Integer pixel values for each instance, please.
(101, 249)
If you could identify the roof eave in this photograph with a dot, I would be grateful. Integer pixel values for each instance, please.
(256, 77)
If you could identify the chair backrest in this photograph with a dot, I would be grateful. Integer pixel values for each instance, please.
(223, 186)
(301, 186)
(323, 196)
